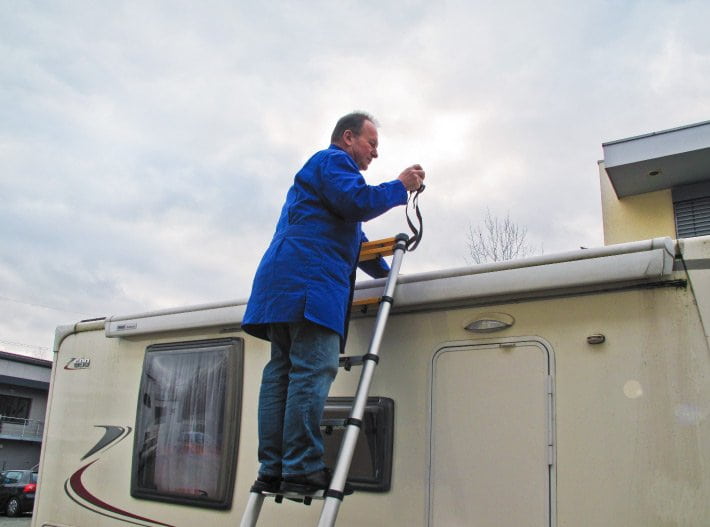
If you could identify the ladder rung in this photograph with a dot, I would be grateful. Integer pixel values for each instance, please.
(373, 249)
(336, 423)
(360, 302)
(348, 361)
(330, 425)
(306, 499)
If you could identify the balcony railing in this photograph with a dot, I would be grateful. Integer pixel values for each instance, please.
(23, 429)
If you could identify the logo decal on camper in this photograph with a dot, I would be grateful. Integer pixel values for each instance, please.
(76, 363)
(75, 488)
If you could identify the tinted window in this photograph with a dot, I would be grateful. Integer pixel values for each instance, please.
(371, 468)
(12, 406)
(13, 477)
(188, 423)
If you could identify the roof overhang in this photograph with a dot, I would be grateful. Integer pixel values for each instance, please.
(660, 160)
(25, 383)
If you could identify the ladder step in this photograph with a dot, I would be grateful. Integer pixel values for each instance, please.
(364, 304)
(366, 301)
(293, 496)
(336, 423)
(330, 425)
(376, 248)
(348, 361)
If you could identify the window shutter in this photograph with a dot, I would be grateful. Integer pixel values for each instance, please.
(692, 217)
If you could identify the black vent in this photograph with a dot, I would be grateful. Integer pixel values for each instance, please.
(692, 217)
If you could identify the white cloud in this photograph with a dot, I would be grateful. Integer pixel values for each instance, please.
(146, 149)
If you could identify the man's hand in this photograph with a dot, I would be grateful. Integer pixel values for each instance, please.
(412, 177)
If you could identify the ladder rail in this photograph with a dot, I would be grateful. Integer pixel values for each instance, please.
(252, 510)
(396, 246)
(334, 498)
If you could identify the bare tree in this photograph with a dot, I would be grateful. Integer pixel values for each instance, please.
(498, 239)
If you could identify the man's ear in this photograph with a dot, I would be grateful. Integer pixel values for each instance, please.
(348, 137)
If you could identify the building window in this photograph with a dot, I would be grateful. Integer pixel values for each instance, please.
(187, 424)
(12, 406)
(692, 217)
(371, 468)
(691, 204)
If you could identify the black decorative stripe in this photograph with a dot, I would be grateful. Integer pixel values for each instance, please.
(111, 434)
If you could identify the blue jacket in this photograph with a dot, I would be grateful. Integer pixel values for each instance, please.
(308, 271)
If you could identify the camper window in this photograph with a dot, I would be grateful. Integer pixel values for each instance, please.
(187, 424)
(371, 468)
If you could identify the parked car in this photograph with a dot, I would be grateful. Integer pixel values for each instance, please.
(17, 491)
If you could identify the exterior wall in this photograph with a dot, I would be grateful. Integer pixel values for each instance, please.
(20, 441)
(26, 370)
(18, 455)
(38, 407)
(635, 218)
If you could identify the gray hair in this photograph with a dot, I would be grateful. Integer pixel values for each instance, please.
(353, 122)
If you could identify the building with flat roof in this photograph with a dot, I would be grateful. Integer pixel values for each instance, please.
(657, 184)
(24, 389)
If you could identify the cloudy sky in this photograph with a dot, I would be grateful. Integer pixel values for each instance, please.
(146, 147)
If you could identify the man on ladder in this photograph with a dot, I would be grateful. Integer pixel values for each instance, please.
(301, 297)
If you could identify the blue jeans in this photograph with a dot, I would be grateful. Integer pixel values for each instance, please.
(294, 388)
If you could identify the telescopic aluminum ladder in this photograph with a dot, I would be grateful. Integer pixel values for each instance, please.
(333, 496)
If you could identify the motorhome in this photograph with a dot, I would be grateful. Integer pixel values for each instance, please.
(557, 390)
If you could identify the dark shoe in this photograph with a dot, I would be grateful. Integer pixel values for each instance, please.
(266, 484)
(311, 483)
